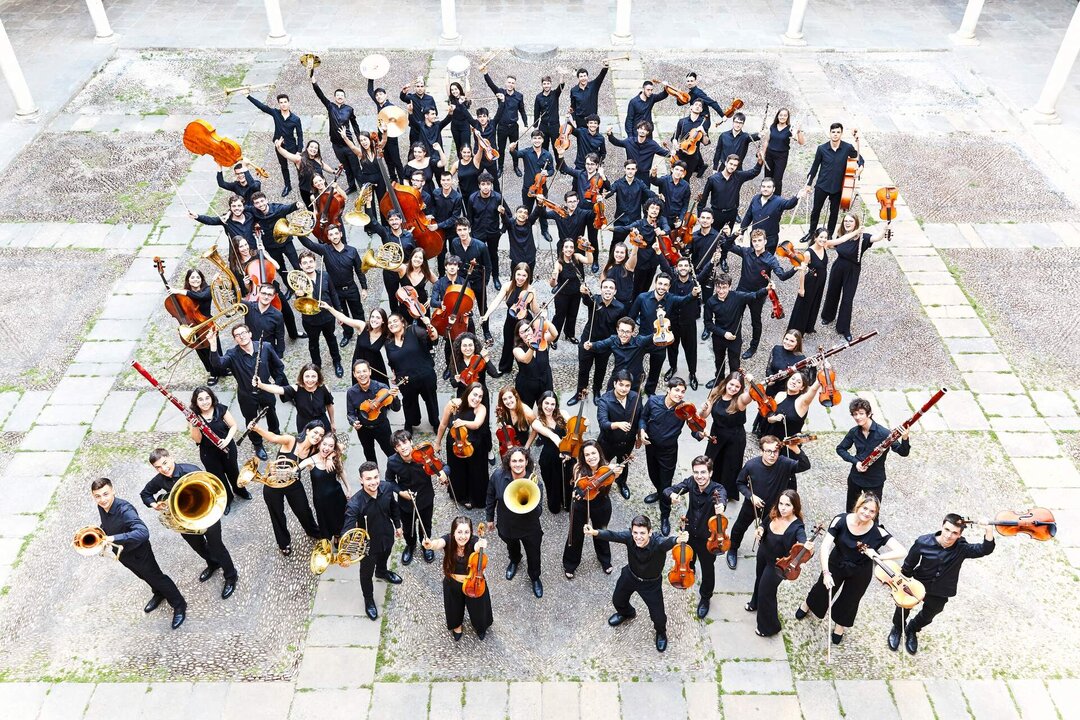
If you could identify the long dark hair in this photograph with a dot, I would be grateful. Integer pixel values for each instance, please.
(195, 399)
(506, 460)
(793, 498)
(560, 421)
(451, 550)
(582, 468)
(187, 278)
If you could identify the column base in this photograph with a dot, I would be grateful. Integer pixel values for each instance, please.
(110, 39)
(622, 40)
(1039, 117)
(791, 41)
(27, 116)
(278, 40)
(450, 41)
(963, 40)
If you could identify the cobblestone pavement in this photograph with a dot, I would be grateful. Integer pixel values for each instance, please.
(1004, 436)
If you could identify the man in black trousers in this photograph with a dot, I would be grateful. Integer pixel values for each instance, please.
(374, 509)
(701, 506)
(287, 126)
(830, 162)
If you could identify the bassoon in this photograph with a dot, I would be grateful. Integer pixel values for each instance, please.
(191, 415)
(817, 358)
(899, 429)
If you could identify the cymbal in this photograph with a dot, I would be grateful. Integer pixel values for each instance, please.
(310, 61)
(395, 120)
(374, 66)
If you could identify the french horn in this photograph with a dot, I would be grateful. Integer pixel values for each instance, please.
(296, 224)
(389, 256)
(358, 216)
(352, 547)
(302, 285)
(281, 473)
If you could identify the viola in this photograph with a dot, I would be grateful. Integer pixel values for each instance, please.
(681, 96)
(595, 195)
(718, 541)
(507, 437)
(689, 144)
(575, 429)
(407, 296)
(787, 249)
(490, 153)
(584, 245)
(424, 455)
(635, 238)
(562, 143)
(590, 486)
(553, 207)
(828, 396)
(372, 408)
(735, 105)
(329, 206)
(201, 139)
(453, 317)
(1037, 523)
(667, 248)
(539, 185)
(406, 200)
(599, 213)
(791, 564)
(475, 584)
(688, 413)
(851, 170)
(519, 308)
(887, 196)
(471, 372)
(777, 308)
(682, 574)
(462, 448)
(184, 309)
(766, 405)
(907, 592)
(663, 335)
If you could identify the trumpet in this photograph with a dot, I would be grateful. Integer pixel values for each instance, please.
(229, 92)
(281, 473)
(195, 503)
(359, 217)
(352, 548)
(522, 495)
(90, 540)
(389, 257)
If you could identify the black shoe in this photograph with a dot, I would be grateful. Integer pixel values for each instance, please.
(836, 639)
(574, 400)
(406, 556)
(704, 334)
(554, 344)
(669, 374)
(371, 610)
(732, 559)
(800, 613)
(457, 634)
(750, 608)
(618, 619)
(711, 384)
(693, 382)
(446, 374)
(624, 490)
(481, 634)
(724, 265)
(338, 370)
(571, 339)
(350, 190)
(847, 337)
(497, 284)
(511, 571)
(227, 591)
(911, 641)
(517, 171)
(212, 381)
(300, 336)
(178, 618)
(429, 556)
(703, 609)
(487, 336)
(285, 192)
(665, 527)
(391, 577)
(661, 642)
(894, 638)
(345, 340)
(208, 573)
(153, 604)
(260, 453)
(243, 493)
(538, 588)
(651, 498)
(228, 508)
(749, 354)
(595, 268)
(496, 374)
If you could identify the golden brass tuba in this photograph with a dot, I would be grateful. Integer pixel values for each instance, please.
(359, 216)
(90, 540)
(388, 257)
(522, 496)
(195, 503)
(296, 224)
(281, 473)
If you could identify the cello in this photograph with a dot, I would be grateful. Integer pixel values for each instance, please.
(201, 138)
(261, 272)
(718, 541)
(184, 309)
(682, 574)
(791, 564)
(328, 206)
(475, 584)
(575, 429)
(851, 172)
(406, 200)
(452, 318)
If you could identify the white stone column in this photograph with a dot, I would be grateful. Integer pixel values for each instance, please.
(1045, 109)
(102, 29)
(794, 34)
(25, 109)
(277, 35)
(622, 35)
(966, 34)
(449, 22)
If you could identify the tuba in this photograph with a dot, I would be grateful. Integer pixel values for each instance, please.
(388, 257)
(352, 548)
(195, 503)
(281, 473)
(359, 216)
(226, 295)
(522, 496)
(90, 540)
(301, 284)
(297, 224)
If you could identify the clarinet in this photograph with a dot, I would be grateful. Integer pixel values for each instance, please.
(191, 415)
(899, 430)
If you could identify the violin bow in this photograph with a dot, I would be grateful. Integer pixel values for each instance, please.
(757, 512)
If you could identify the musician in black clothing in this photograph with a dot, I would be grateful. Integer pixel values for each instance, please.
(344, 267)
(241, 362)
(546, 109)
(265, 320)
(507, 123)
(760, 482)
(208, 544)
(630, 192)
(374, 509)
(674, 191)
(658, 430)
(639, 146)
(830, 162)
(646, 553)
(864, 437)
(585, 95)
(341, 117)
(706, 499)
(391, 152)
(696, 93)
(604, 310)
(733, 141)
(756, 260)
(645, 311)
(415, 96)
(243, 185)
(851, 247)
(395, 232)
(537, 161)
(468, 248)
(446, 205)
(648, 259)
(322, 324)
(239, 223)
(514, 527)
(584, 511)
(935, 560)
(266, 215)
(723, 189)
(723, 321)
(122, 526)
(765, 211)
(589, 142)
(617, 413)
(640, 107)
(287, 127)
(627, 348)
(697, 123)
(684, 318)
(414, 486)
(368, 431)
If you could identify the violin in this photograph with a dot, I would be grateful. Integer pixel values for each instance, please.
(1037, 523)
(599, 213)
(507, 436)
(595, 195)
(635, 238)
(907, 592)
(851, 170)
(553, 207)
(462, 447)
(471, 372)
(519, 308)
(584, 245)
(777, 308)
(682, 575)
(406, 200)
(663, 335)
(489, 151)
(453, 317)
(201, 139)
(540, 337)
(681, 96)
(787, 249)
(798, 439)
(887, 196)
(689, 144)
(791, 564)
(828, 396)
(766, 405)
(688, 413)
(328, 206)
(667, 248)
(735, 105)
(373, 406)
(562, 143)
(591, 485)
(184, 309)
(684, 234)
(424, 455)
(575, 429)
(407, 296)
(475, 584)
(718, 541)
(539, 185)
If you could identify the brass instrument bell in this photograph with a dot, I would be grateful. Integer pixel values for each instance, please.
(195, 503)
(358, 216)
(310, 61)
(522, 496)
(90, 540)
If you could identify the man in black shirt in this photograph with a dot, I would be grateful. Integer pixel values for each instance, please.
(368, 431)
(604, 311)
(507, 121)
(589, 141)
(627, 348)
(658, 430)
(631, 192)
(733, 142)
(639, 145)
(413, 485)
(864, 437)
(415, 95)
(707, 499)
(617, 413)
(123, 527)
(646, 553)
(640, 108)
(831, 160)
(722, 189)
(395, 232)
(537, 161)
(683, 319)
(585, 95)
(723, 323)
(341, 117)
(468, 248)
(288, 128)
(321, 324)
(546, 109)
(265, 320)
(935, 560)
(344, 268)
(208, 544)
(756, 260)
(391, 152)
(374, 509)
(244, 184)
(646, 310)
(238, 223)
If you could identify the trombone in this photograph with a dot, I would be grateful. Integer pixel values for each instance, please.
(229, 92)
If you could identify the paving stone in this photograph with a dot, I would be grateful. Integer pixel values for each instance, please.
(8, 401)
(165, 701)
(485, 700)
(761, 707)
(650, 700)
(1064, 694)
(337, 631)
(263, 700)
(989, 700)
(1006, 405)
(818, 700)
(67, 414)
(26, 410)
(400, 701)
(1053, 403)
(1019, 424)
(127, 307)
(145, 411)
(105, 329)
(702, 700)
(1029, 444)
(17, 526)
(101, 370)
(950, 311)
(1033, 699)
(54, 437)
(208, 699)
(735, 639)
(949, 294)
(1047, 472)
(559, 701)
(114, 411)
(1064, 424)
(28, 494)
(984, 362)
(322, 704)
(991, 382)
(9, 550)
(65, 701)
(171, 421)
(961, 412)
(108, 697)
(947, 698)
(22, 700)
(445, 701)
(889, 407)
(337, 668)
(911, 700)
(971, 345)
(929, 278)
(865, 700)
(34, 464)
(921, 263)
(599, 701)
(756, 677)
(932, 421)
(343, 597)
(948, 328)
(523, 701)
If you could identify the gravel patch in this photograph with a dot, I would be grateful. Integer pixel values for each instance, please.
(1070, 442)
(101, 178)
(56, 629)
(974, 179)
(899, 82)
(163, 82)
(1042, 348)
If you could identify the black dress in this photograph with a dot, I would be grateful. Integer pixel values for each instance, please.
(329, 499)
(218, 462)
(776, 155)
(455, 601)
(851, 571)
(469, 476)
(365, 349)
(309, 405)
(772, 548)
(779, 359)
(555, 473)
(297, 498)
(420, 285)
(805, 310)
(729, 429)
(506, 358)
(533, 378)
(791, 424)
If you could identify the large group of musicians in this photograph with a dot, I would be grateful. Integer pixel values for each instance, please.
(653, 276)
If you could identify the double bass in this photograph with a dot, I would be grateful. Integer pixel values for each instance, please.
(406, 200)
(851, 173)
(261, 271)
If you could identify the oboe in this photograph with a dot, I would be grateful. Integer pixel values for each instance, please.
(191, 415)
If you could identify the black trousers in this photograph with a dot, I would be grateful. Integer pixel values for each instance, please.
(755, 308)
(504, 134)
(732, 349)
(456, 602)
(766, 583)
(506, 357)
(932, 605)
(840, 295)
(643, 277)
(686, 336)
(315, 333)
(707, 562)
(210, 547)
(746, 517)
(408, 522)
(775, 166)
(349, 295)
(426, 387)
(249, 408)
(279, 252)
(854, 491)
(566, 310)
(492, 242)
(597, 363)
(371, 434)
(660, 462)
(727, 216)
(556, 476)
(284, 164)
(374, 563)
(532, 551)
(275, 504)
(600, 512)
(848, 590)
(727, 456)
(392, 152)
(223, 465)
(656, 364)
(391, 283)
(820, 196)
(651, 591)
(142, 563)
(348, 159)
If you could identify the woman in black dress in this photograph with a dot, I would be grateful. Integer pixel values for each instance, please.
(847, 571)
(420, 160)
(408, 349)
(460, 128)
(312, 399)
(371, 336)
(534, 366)
(309, 164)
(851, 245)
(196, 288)
(779, 147)
(811, 286)
(783, 529)
(296, 449)
(550, 426)
(792, 405)
(330, 490)
(459, 545)
(596, 511)
(784, 355)
(727, 403)
(468, 172)
(511, 293)
(567, 277)
(364, 150)
(468, 475)
(218, 459)
(513, 417)
(416, 273)
(620, 268)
